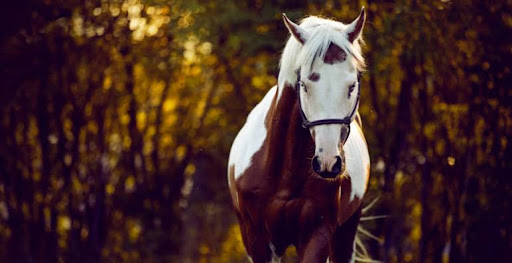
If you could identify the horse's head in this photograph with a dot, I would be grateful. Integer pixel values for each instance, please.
(327, 85)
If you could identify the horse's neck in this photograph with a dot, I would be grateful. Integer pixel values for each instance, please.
(288, 144)
(287, 73)
(286, 78)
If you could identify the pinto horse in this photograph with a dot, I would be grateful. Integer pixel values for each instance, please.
(299, 167)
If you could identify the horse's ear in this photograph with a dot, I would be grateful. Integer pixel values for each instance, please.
(356, 27)
(300, 34)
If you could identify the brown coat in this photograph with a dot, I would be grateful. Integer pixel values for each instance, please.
(281, 201)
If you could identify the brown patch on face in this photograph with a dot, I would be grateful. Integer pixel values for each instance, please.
(232, 185)
(314, 77)
(334, 54)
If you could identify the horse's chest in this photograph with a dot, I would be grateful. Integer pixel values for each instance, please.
(302, 211)
(289, 213)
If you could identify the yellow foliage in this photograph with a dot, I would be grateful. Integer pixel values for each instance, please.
(205, 48)
(77, 185)
(36, 176)
(38, 197)
(258, 81)
(141, 120)
(408, 257)
(169, 104)
(291, 253)
(109, 189)
(92, 127)
(63, 223)
(134, 229)
(107, 82)
(191, 168)
(234, 55)
(232, 249)
(84, 232)
(180, 152)
(125, 119)
(451, 160)
(129, 184)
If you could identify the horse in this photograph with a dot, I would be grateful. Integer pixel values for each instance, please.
(299, 167)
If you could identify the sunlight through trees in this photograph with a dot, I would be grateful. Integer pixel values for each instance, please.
(116, 119)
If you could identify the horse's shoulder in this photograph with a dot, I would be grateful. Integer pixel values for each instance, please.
(251, 137)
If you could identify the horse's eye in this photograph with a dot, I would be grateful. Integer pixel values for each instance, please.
(304, 87)
(351, 88)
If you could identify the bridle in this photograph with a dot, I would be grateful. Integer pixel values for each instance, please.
(347, 120)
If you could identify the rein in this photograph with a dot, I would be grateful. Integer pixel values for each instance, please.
(347, 120)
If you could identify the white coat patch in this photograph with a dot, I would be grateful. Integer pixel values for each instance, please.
(358, 161)
(251, 137)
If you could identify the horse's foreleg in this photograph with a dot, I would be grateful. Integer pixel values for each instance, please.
(343, 240)
(255, 243)
(317, 247)
(258, 247)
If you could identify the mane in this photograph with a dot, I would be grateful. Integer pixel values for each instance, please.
(322, 32)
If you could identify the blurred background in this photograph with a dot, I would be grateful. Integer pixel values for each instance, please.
(117, 116)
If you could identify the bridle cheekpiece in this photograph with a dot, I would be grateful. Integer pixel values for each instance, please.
(347, 120)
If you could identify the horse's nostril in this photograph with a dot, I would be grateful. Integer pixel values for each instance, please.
(336, 168)
(335, 171)
(316, 165)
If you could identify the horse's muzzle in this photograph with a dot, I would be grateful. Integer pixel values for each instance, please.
(334, 171)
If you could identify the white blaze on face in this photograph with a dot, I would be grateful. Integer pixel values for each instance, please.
(327, 144)
(328, 98)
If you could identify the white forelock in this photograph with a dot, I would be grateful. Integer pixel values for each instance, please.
(321, 33)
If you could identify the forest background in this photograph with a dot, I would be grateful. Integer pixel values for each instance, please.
(117, 116)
